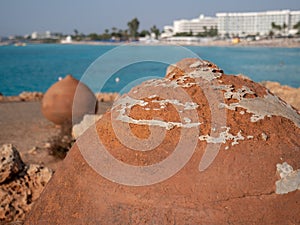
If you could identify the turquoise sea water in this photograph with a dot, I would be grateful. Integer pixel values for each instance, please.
(37, 67)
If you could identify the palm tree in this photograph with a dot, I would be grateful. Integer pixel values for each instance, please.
(155, 30)
(284, 26)
(275, 26)
(133, 26)
(297, 26)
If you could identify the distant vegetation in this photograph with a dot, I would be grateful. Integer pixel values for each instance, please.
(211, 32)
(297, 26)
(130, 34)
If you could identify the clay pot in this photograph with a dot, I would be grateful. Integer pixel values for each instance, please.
(68, 100)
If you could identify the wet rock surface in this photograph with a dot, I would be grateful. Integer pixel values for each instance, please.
(20, 186)
(196, 147)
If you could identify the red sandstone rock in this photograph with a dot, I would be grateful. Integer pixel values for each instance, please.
(198, 147)
(58, 102)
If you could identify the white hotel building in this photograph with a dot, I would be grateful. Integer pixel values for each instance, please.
(195, 25)
(255, 22)
(237, 24)
(186, 26)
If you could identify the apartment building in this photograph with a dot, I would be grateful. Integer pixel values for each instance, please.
(195, 26)
(255, 22)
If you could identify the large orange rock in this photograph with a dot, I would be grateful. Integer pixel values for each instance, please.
(197, 147)
(59, 100)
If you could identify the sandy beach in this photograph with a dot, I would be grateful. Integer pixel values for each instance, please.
(279, 43)
(24, 126)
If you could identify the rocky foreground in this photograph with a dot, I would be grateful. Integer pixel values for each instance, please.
(20, 184)
(196, 147)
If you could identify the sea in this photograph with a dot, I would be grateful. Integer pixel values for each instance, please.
(110, 68)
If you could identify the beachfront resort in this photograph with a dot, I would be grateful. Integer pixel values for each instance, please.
(234, 26)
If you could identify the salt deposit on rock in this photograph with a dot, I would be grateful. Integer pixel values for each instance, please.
(185, 149)
(20, 186)
(290, 179)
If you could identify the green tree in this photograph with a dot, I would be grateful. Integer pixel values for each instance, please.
(155, 30)
(275, 26)
(114, 32)
(76, 32)
(133, 26)
(144, 33)
(284, 26)
(297, 26)
(114, 29)
(94, 36)
(212, 32)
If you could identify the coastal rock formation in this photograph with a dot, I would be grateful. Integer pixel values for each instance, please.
(196, 147)
(11, 163)
(31, 96)
(20, 184)
(288, 94)
(59, 101)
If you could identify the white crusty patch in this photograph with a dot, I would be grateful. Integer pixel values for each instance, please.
(268, 106)
(123, 104)
(290, 179)
(230, 94)
(223, 137)
(186, 105)
(205, 74)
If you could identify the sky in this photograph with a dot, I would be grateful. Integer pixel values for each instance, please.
(19, 17)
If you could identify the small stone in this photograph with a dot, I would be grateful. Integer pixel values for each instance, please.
(32, 151)
(10, 162)
(264, 136)
(47, 145)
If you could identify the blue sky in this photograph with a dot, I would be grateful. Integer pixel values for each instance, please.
(24, 17)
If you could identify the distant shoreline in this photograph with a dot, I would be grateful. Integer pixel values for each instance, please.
(277, 43)
(273, 43)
